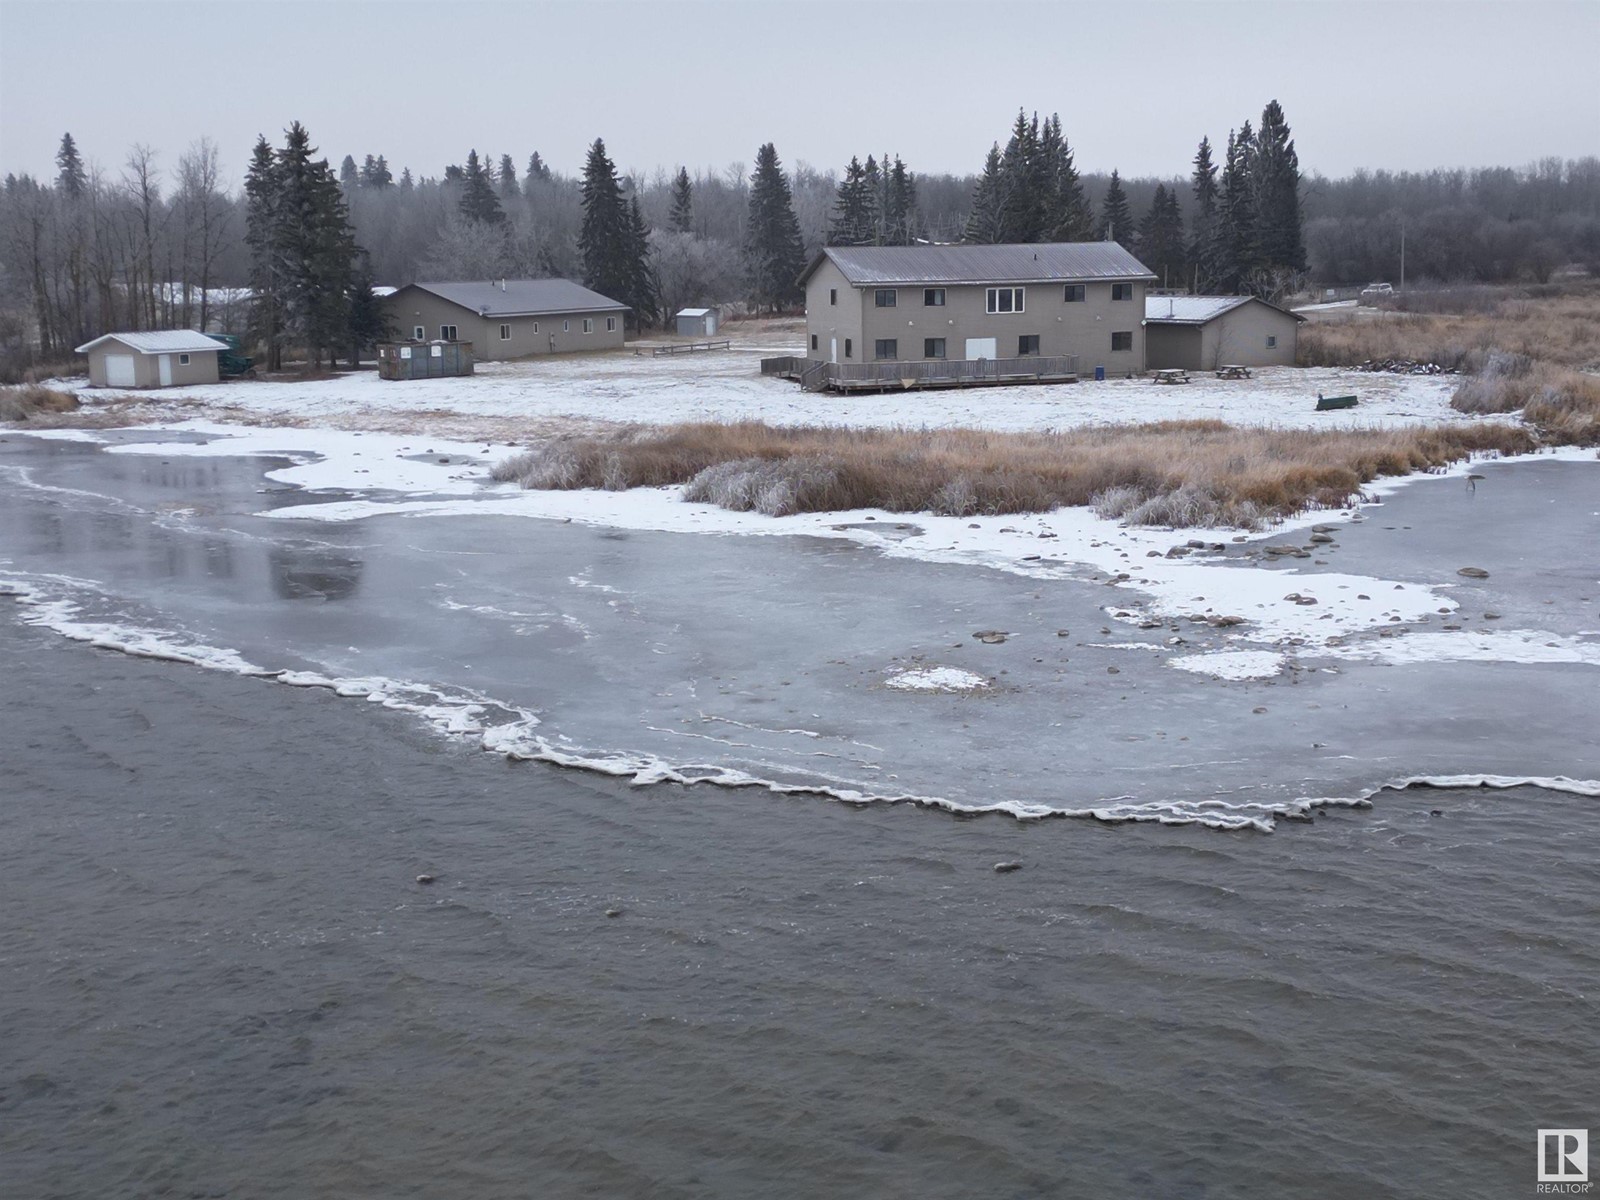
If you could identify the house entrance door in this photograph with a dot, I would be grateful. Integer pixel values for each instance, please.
(981, 348)
(165, 363)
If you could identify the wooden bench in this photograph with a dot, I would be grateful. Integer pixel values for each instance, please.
(1328, 403)
(1172, 375)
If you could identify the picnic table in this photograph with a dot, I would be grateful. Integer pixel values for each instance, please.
(1233, 371)
(1172, 375)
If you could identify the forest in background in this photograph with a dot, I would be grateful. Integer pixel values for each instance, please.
(157, 243)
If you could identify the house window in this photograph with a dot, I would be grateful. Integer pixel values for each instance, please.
(611, 324)
(1272, 341)
(847, 347)
(932, 347)
(1122, 291)
(885, 297)
(566, 327)
(588, 324)
(886, 348)
(833, 295)
(1027, 344)
(183, 359)
(1123, 340)
(505, 333)
(813, 341)
(1005, 300)
(933, 297)
(536, 327)
(447, 333)
(418, 333)
(1075, 294)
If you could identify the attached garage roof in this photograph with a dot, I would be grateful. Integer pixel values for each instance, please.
(163, 341)
(522, 297)
(1197, 310)
(1042, 262)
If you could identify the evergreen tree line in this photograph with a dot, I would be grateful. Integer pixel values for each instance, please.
(158, 245)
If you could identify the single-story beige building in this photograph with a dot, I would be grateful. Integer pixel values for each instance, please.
(1202, 333)
(159, 358)
(508, 318)
(869, 304)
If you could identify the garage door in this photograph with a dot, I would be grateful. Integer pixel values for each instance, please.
(119, 371)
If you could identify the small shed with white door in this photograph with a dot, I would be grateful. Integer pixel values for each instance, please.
(696, 322)
(160, 358)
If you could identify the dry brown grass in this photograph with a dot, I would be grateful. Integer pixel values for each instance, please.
(1186, 473)
(33, 400)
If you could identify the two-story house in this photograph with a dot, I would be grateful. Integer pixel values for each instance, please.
(912, 303)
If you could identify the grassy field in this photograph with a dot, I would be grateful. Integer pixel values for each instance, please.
(1188, 473)
(1536, 350)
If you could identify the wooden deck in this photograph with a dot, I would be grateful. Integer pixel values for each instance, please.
(816, 376)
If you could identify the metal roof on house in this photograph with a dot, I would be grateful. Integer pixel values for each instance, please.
(1042, 262)
(1197, 310)
(522, 297)
(159, 341)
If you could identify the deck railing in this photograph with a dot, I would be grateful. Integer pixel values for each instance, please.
(816, 375)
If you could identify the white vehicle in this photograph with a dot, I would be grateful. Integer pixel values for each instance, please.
(1377, 291)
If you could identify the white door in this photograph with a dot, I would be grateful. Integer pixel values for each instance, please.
(833, 349)
(981, 348)
(119, 371)
(164, 362)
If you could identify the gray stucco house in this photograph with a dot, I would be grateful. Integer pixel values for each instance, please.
(912, 303)
(509, 318)
(158, 358)
(1202, 333)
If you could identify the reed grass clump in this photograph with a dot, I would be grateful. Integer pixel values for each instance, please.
(1173, 473)
(32, 399)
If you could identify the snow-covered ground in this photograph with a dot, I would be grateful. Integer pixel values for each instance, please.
(520, 401)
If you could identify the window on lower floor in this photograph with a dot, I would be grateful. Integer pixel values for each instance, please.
(588, 325)
(1272, 341)
(1123, 340)
(447, 333)
(536, 327)
(1075, 294)
(933, 348)
(1005, 300)
(885, 297)
(611, 324)
(1122, 291)
(833, 295)
(933, 297)
(813, 341)
(847, 347)
(1027, 344)
(183, 359)
(505, 333)
(418, 333)
(886, 348)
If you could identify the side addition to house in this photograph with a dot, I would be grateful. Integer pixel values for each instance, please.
(1202, 333)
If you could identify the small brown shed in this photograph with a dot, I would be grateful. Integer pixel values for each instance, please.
(157, 358)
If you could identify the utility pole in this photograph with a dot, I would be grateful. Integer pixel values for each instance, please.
(1402, 256)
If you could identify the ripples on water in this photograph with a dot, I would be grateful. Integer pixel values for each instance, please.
(221, 978)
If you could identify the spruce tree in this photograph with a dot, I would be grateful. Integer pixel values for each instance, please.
(261, 236)
(478, 201)
(1023, 200)
(872, 196)
(604, 237)
(851, 224)
(682, 218)
(774, 251)
(508, 177)
(899, 206)
(1275, 185)
(1203, 247)
(984, 222)
(1161, 238)
(1237, 259)
(71, 178)
(1116, 219)
(644, 293)
(314, 245)
(349, 177)
(1067, 217)
(381, 178)
(405, 179)
(537, 171)
(367, 320)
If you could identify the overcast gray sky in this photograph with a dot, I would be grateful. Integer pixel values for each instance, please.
(1375, 83)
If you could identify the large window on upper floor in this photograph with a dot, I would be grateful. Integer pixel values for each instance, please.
(1122, 291)
(1006, 300)
(1075, 294)
(933, 297)
(884, 298)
